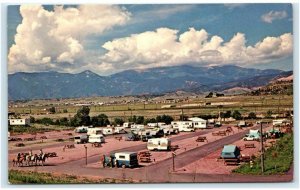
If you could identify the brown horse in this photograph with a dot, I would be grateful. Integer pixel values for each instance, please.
(19, 160)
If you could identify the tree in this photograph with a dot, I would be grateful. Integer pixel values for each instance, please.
(210, 95)
(32, 119)
(140, 120)
(149, 120)
(252, 115)
(81, 117)
(100, 120)
(164, 118)
(236, 115)
(52, 110)
(132, 119)
(269, 114)
(118, 121)
(227, 114)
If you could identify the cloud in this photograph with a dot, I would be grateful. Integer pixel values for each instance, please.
(160, 12)
(232, 6)
(273, 15)
(165, 47)
(54, 39)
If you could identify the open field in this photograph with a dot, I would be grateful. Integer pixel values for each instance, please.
(212, 106)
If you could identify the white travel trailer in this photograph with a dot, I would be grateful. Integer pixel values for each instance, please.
(136, 126)
(186, 128)
(96, 139)
(152, 125)
(279, 122)
(82, 129)
(127, 124)
(94, 131)
(178, 124)
(158, 144)
(119, 130)
(22, 122)
(198, 123)
(107, 131)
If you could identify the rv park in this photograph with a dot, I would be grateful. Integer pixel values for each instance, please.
(215, 139)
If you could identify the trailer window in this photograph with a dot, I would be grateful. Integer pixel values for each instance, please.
(122, 157)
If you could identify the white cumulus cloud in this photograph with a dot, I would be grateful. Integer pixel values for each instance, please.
(273, 15)
(165, 47)
(54, 39)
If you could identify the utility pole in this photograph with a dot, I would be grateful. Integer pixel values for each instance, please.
(182, 115)
(85, 154)
(262, 148)
(173, 159)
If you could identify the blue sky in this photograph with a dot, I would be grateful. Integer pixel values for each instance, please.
(255, 22)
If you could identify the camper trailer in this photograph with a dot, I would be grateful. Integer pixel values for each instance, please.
(94, 138)
(198, 123)
(122, 159)
(119, 130)
(159, 144)
(81, 139)
(127, 124)
(279, 122)
(81, 129)
(137, 126)
(242, 124)
(94, 131)
(178, 124)
(107, 131)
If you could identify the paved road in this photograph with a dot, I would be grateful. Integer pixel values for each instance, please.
(160, 172)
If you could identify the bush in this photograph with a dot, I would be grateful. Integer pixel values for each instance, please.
(278, 159)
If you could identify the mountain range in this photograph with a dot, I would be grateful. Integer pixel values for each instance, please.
(45, 85)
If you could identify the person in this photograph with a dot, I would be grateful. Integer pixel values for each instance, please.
(41, 152)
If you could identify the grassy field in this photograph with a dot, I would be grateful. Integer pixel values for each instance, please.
(244, 104)
(278, 159)
(36, 128)
(29, 177)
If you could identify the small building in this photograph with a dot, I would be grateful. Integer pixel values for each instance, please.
(22, 122)
(230, 151)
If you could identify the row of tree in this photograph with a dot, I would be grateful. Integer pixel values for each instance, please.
(82, 117)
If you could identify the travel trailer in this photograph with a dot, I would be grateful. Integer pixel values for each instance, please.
(119, 130)
(127, 124)
(81, 129)
(107, 131)
(178, 124)
(94, 131)
(279, 122)
(159, 144)
(122, 159)
(96, 138)
(198, 123)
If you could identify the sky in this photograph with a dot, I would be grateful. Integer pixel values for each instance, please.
(107, 39)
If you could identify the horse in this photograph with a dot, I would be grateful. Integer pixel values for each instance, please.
(31, 159)
(19, 160)
(42, 158)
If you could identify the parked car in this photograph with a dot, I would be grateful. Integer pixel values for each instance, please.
(250, 137)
